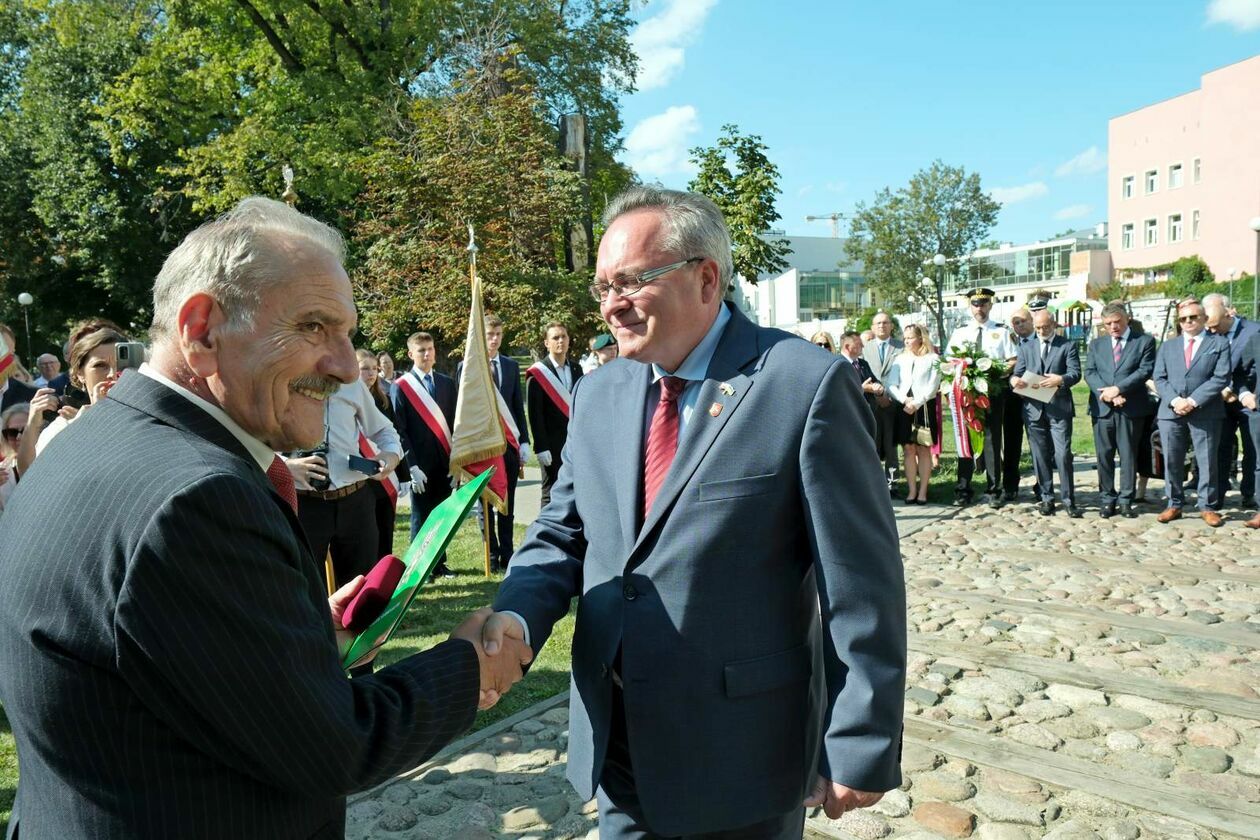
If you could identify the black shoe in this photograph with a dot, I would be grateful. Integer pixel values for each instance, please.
(961, 499)
(1108, 511)
(1128, 512)
(1075, 512)
(1046, 508)
(995, 501)
(443, 571)
(1009, 497)
(1249, 503)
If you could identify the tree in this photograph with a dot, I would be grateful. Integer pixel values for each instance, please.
(745, 196)
(482, 156)
(943, 210)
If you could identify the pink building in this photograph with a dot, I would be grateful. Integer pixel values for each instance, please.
(1184, 177)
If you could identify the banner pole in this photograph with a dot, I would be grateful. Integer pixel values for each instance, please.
(485, 529)
(329, 575)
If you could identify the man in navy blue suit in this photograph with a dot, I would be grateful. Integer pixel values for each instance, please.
(1237, 330)
(507, 377)
(1191, 370)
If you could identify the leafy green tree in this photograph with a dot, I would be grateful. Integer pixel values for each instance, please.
(943, 210)
(742, 181)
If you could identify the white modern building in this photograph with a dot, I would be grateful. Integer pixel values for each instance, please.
(821, 289)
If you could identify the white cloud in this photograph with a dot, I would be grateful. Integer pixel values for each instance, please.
(805, 190)
(1073, 211)
(1086, 163)
(837, 186)
(658, 145)
(1024, 192)
(660, 41)
(1243, 15)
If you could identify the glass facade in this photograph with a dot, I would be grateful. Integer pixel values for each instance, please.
(831, 294)
(1036, 265)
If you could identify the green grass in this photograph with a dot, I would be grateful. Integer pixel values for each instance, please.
(440, 607)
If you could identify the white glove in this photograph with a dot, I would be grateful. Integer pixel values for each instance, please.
(418, 479)
(404, 488)
(524, 452)
(544, 459)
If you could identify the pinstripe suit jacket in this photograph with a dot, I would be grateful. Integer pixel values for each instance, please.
(166, 658)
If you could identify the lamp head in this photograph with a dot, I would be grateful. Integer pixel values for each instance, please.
(25, 299)
(938, 260)
(1255, 224)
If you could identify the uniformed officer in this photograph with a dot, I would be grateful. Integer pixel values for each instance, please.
(994, 340)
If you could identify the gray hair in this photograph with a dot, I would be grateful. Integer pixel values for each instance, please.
(235, 259)
(695, 227)
(1114, 309)
(1216, 299)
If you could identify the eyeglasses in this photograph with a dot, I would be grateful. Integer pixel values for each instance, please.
(631, 284)
(823, 344)
(1185, 319)
(13, 433)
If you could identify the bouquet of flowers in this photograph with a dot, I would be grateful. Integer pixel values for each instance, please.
(970, 380)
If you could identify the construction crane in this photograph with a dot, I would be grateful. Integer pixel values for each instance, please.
(834, 218)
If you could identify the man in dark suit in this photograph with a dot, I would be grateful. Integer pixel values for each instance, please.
(1245, 385)
(1013, 419)
(507, 377)
(1237, 331)
(1191, 370)
(549, 387)
(168, 661)
(1058, 367)
(880, 353)
(1118, 366)
(852, 351)
(724, 521)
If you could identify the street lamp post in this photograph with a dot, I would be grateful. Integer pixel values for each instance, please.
(939, 262)
(26, 300)
(1233, 272)
(1255, 277)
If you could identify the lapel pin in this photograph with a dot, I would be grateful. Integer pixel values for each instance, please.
(726, 389)
(715, 409)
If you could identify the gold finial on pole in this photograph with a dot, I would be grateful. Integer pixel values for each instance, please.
(289, 196)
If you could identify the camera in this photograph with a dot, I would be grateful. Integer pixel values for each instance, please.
(316, 483)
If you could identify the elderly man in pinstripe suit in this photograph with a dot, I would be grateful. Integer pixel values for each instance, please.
(167, 658)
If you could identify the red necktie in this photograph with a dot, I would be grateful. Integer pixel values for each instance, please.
(281, 479)
(1189, 352)
(662, 440)
(1116, 352)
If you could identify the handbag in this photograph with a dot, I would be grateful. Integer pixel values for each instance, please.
(920, 433)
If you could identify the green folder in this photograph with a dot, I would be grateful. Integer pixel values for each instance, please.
(430, 543)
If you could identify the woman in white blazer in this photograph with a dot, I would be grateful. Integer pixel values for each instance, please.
(913, 382)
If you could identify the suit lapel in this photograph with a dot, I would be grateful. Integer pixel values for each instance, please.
(627, 460)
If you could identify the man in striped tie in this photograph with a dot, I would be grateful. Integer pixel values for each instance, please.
(724, 519)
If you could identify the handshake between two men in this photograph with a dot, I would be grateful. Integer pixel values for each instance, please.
(498, 639)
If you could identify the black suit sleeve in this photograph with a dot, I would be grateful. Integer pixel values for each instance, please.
(225, 633)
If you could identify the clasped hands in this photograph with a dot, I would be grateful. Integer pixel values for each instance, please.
(1051, 380)
(1182, 406)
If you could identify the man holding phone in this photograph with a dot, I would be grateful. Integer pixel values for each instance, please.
(335, 506)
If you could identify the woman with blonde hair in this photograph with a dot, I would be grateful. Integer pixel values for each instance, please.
(824, 340)
(913, 382)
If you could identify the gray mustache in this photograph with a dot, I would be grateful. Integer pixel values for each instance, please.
(326, 386)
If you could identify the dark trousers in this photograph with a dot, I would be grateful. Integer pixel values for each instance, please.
(549, 475)
(436, 490)
(500, 524)
(991, 454)
(1236, 420)
(621, 818)
(1050, 439)
(1252, 430)
(1012, 443)
(385, 513)
(1175, 436)
(346, 527)
(1116, 436)
(885, 436)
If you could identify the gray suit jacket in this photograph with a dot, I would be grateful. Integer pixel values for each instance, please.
(1137, 364)
(871, 353)
(166, 656)
(1208, 375)
(1063, 360)
(775, 504)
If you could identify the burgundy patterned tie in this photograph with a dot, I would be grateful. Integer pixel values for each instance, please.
(1116, 352)
(281, 479)
(662, 442)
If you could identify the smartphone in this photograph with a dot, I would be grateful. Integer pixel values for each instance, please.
(130, 355)
(363, 465)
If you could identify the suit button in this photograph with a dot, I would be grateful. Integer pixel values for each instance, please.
(629, 592)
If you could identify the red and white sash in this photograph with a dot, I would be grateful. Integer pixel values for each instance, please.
(424, 404)
(368, 449)
(551, 385)
(510, 431)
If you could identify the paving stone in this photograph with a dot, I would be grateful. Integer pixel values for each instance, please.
(915, 759)
(1146, 765)
(1018, 680)
(946, 820)
(465, 789)
(1203, 617)
(1111, 718)
(540, 814)
(1012, 783)
(1123, 741)
(473, 832)
(1072, 830)
(1130, 634)
(477, 765)
(946, 669)
(1079, 801)
(1034, 735)
(1218, 681)
(943, 786)
(968, 707)
(436, 776)
(1212, 735)
(398, 794)
(1002, 831)
(1122, 830)
(1075, 697)
(1203, 716)
(1229, 785)
(1249, 767)
(560, 714)
(1206, 759)
(1153, 709)
(863, 824)
(982, 688)
(1170, 828)
(432, 804)
(923, 696)
(1005, 809)
(958, 768)
(894, 803)
(1036, 711)
(398, 819)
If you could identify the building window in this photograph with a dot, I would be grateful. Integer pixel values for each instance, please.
(1174, 176)
(1152, 180)
(1198, 170)
(1126, 237)
(1151, 236)
(1126, 187)
(1174, 227)
(1194, 224)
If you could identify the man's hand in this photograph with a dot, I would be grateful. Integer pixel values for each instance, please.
(909, 408)
(1249, 401)
(388, 461)
(1018, 383)
(305, 469)
(524, 452)
(836, 799)
(502, 668)
(45, 399)
(4, 474)
(337, 603)
(882, 400)
(1052, 380)
(418, 480)
(1109, 394)
(101, 390)
(544, 458)
(870, 386)
(1118, 402)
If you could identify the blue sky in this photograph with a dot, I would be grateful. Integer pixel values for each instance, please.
(854, 96)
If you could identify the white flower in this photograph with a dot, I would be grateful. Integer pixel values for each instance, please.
(984, 364)
(964, 382)
(982, 385)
